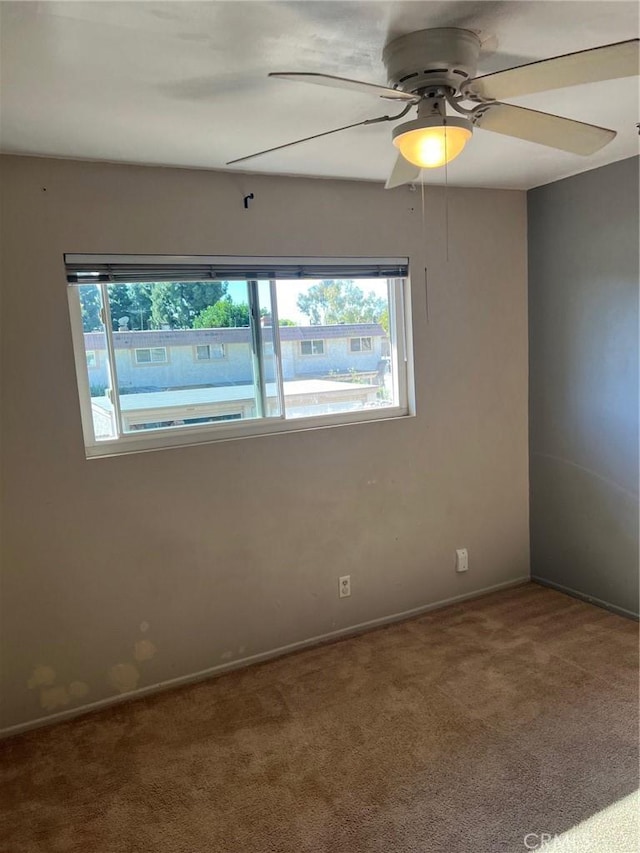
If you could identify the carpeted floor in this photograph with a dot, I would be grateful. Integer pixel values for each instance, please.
(474, 728)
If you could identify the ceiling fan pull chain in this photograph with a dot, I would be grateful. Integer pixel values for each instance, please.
(424, 245)
(446, 197)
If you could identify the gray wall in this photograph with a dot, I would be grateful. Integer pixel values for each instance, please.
(215, 553)
(583, 371)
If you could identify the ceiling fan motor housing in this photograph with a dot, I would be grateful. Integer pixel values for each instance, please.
(443, 57)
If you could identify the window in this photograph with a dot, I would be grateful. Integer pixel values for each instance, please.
(205, 352)
(361, 344)
(312, 347)
(154, 355)
(257, 315)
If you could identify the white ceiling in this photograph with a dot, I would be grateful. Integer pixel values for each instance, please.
(184, 83)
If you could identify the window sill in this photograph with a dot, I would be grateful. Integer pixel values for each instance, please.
(168, 439)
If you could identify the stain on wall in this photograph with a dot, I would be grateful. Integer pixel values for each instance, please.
(144, 650)
(54, 697)
(123, 677)
(78, 689)
(41, 676)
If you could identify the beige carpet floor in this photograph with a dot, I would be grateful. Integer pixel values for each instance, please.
(474, 728)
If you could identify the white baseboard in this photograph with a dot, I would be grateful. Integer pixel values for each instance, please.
(584, 597)
(192, 678)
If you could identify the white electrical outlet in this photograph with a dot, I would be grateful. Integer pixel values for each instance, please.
(344, 586)
(462, 560)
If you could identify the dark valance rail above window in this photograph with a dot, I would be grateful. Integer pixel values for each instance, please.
(92, 269)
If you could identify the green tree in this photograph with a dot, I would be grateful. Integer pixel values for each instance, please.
(132, 301)
(167, 306)
(90, 305)
(200, 294)
(140, 296)
(150, 305)
(177, 304)
(227, 313)
(119, 303)
(223, 314)
(336, 301)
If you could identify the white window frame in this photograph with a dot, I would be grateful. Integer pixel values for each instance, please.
(151, 361)
(360, 350)
(172, 437)
(312, 354)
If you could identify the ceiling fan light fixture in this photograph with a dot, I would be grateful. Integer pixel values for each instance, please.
(431, 142)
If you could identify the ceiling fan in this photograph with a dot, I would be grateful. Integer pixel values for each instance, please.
(434, 70)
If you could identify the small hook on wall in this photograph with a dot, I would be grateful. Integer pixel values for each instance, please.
(247, 199)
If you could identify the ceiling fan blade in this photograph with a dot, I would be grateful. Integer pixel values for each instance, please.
(545, 129)
(609, 62)
(403, 172)
(345, 83)
(309, 138)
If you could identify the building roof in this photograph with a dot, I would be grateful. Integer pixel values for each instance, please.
(339, 330)
(194, 337)
(225, 394)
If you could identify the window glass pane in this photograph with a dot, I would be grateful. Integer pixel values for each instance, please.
(345, 326)
(97, 362)
(269, 363)
(312, 347)
(157, 328)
